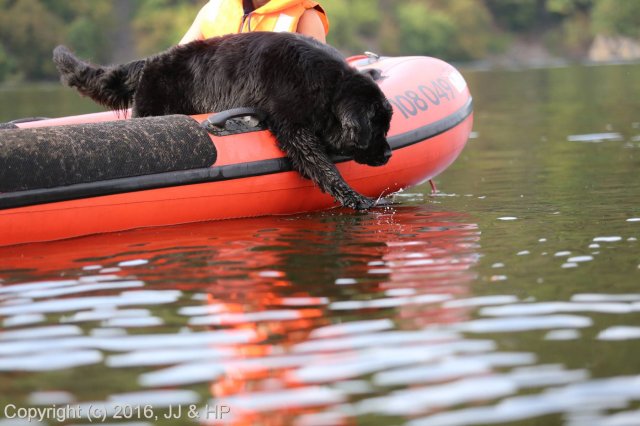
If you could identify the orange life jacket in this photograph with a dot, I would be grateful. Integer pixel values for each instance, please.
(222, 17)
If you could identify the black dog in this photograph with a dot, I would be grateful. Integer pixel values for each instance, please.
(317, 105)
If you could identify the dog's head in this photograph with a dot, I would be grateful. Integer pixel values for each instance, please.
(364, 116)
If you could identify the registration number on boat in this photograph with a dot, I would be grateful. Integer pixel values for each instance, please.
(420, 99)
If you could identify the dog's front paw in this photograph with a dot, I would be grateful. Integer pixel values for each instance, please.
(359, 202)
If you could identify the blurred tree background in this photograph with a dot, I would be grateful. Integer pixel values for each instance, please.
(454, 30)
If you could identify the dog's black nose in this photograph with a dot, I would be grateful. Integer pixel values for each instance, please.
(384, 158)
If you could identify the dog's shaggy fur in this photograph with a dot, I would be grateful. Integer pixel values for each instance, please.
(317, 105)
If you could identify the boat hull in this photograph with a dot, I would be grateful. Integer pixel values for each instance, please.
(431, 124)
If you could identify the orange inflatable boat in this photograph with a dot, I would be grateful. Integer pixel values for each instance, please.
(124, 173)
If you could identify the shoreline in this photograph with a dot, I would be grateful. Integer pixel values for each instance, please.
(485, 65)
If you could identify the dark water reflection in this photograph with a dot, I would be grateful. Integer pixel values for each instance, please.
(510, 298)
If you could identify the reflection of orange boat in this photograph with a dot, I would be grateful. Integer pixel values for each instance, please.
(254, 274)
(407, 257)
(432, 121)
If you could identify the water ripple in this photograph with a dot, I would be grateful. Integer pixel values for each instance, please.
(620, 332)
(283, 399)
(355, 364)
(523, 323)
(50, 361)
(545, 308)
(415, 401)
(127, 298)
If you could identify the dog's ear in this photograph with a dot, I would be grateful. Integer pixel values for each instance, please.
(355, 124)
(353, 106)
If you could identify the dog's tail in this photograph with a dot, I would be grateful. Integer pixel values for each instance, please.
(111, 86)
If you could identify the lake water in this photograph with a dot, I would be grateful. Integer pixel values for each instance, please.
(511, 297)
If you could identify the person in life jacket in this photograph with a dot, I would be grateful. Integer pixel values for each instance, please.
(220, 17)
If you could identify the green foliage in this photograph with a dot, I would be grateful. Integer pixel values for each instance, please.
(473, 37)
(424, 30)
(30, 29)
(29, 33)
(451, 29)
(159, 24)
(576, 37)
(617, 17)
(568, 7)
(514, 15)
(87, 39)
(68, 10)
(87, 25)
(7, 64)
(353, 24)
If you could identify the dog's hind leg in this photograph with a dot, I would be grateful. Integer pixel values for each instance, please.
(309, 158)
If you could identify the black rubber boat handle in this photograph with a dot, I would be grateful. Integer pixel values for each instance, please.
(219, 119)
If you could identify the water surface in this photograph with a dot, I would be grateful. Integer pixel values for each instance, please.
(511, 297)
